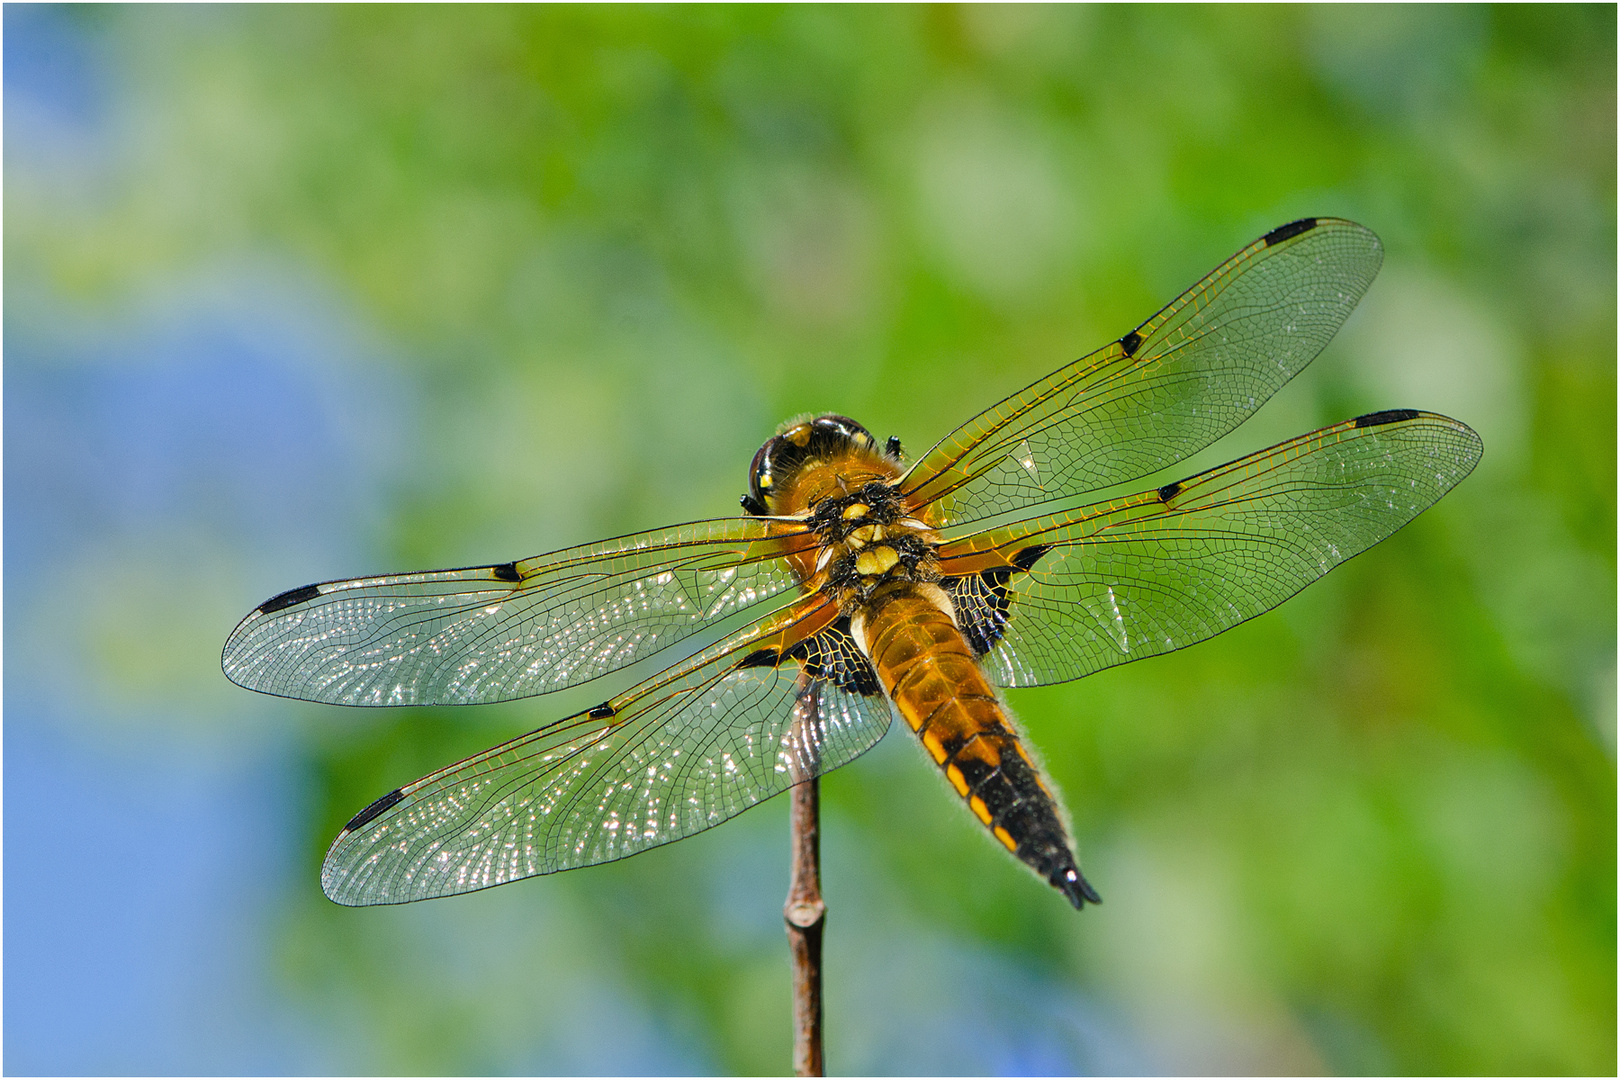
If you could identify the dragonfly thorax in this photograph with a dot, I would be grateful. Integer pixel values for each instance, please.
(860, 515)
(869, 538)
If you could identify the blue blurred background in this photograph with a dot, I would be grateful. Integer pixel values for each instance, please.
(307, 292)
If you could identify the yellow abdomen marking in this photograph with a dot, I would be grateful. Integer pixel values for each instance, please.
(934, 679)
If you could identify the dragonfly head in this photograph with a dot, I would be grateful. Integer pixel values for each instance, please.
(821, 450)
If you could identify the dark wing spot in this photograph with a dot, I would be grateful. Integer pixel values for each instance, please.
(372, 811)
(759, 658)
(834, 656)
(507, 571)
(1170, 491)
(1130, 343)
(1388, 416)
(1289, 231)
(1031, 555)
(604, 711)
(289, 598)
(983, 602)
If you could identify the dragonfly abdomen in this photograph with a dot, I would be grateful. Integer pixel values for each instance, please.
(931, 674)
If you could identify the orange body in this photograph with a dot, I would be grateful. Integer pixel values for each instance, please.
(876, 556)
(934, 680)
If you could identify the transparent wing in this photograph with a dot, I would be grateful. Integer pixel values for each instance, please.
(673, 756)
(1059, 597)
(1169, 388)
(493, 633)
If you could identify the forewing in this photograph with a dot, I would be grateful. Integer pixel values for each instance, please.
(671, 757)
(493, 633)
(1169, 388)
(1157, 571)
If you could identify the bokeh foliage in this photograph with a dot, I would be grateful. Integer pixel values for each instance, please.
(603, 250)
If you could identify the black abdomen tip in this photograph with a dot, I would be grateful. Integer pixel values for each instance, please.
(1289, 231)
(289, 598)
(1073, 884)
(1388, 416)
(376, 808)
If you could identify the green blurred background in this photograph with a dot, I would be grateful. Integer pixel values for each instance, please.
(306, 292)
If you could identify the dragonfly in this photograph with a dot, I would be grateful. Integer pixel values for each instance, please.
(856, 586)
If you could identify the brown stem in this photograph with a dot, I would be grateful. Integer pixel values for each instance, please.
(806, 915)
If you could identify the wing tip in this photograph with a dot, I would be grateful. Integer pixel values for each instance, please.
(331, 886)
(1467, 434)
(1344, 227)
(336, 884)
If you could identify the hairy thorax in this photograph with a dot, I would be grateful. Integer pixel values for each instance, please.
(868, 541)
(829, 474)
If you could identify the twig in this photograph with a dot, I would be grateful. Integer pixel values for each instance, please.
(805, 911)
(806, 915)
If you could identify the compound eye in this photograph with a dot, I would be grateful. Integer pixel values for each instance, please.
(759, 475)
(846, 428)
